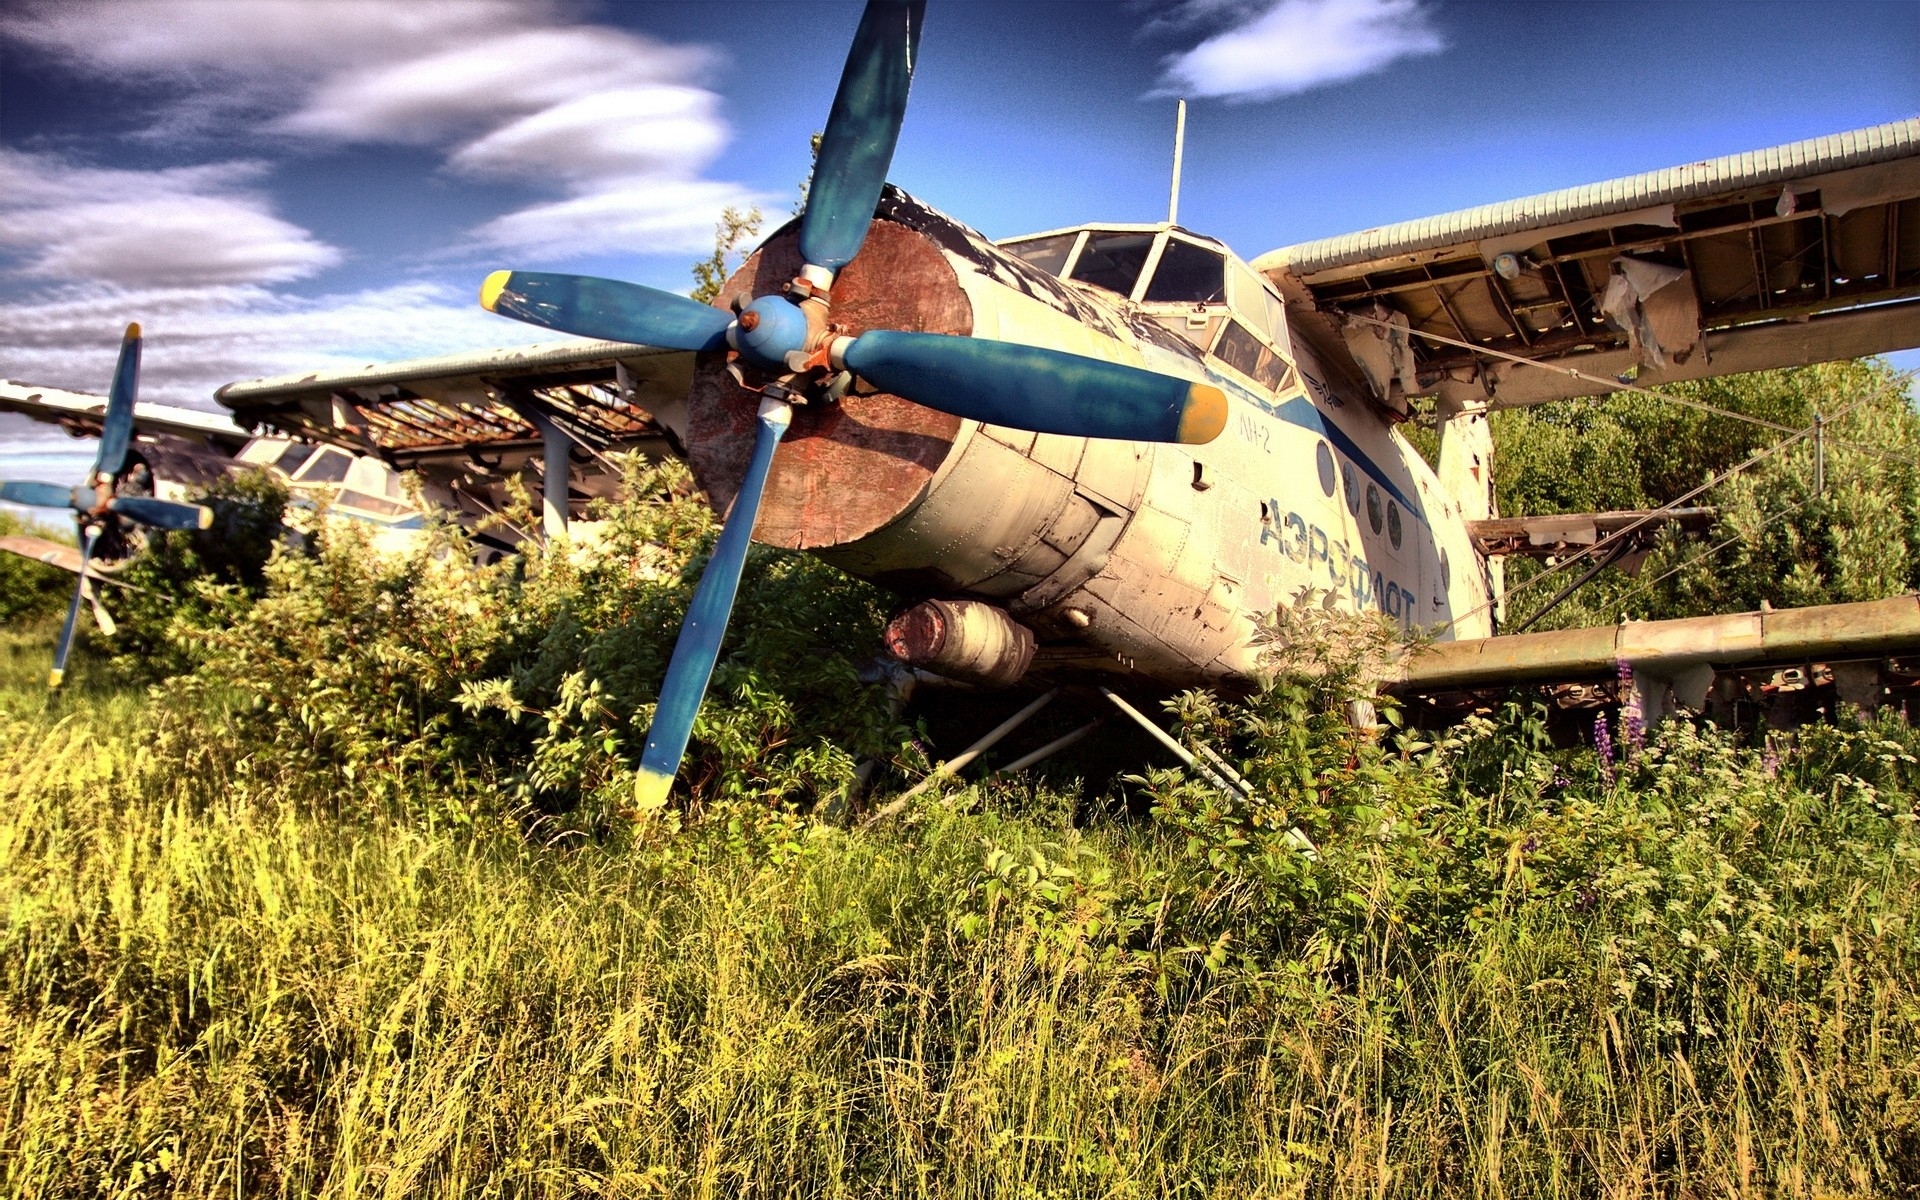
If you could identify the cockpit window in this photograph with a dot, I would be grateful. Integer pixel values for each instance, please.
(330, 467)
(1188, 273)
(291, 458)
(1047, 253)
(1113, 260)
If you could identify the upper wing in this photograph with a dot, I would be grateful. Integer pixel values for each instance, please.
(1804, 253)
(462, 420)
(80, 413)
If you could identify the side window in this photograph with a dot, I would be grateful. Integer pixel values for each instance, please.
(1274, 371)
(1239, 349)
(1047, 253)
(1276, 317)
(1188, 273)
(1113, 260)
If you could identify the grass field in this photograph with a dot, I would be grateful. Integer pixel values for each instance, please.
(1505, 975)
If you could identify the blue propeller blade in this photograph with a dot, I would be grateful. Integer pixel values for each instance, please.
(1048, 391)
(161, 514)
(44, 495)
(605, 308)
(691, 666)
(116, 428)
(864, 124)
(88, 535)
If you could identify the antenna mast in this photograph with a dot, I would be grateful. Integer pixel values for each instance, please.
(1179, 143)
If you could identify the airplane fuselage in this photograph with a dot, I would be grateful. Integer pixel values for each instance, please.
(1119, 556)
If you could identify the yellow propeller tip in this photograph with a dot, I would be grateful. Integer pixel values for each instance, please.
(55, 676)
(1204, 415)
(650, 790)
(133, 329)
(490, 290)
(206, 517)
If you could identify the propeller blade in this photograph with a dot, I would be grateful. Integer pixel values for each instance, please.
(694, 654)
(162, 514)
(43, 495)
(864, 124)
(605, 308)
(116, 428)
(88, 535)
(1048, 391)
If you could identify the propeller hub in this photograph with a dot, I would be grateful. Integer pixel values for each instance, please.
(770, 328)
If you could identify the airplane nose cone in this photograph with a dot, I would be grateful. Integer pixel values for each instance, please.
(768, 330)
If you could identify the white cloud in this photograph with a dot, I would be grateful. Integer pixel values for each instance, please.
(653, 216)
(424, 99)
(183, 226)
(267, 39)
(1295, 45)
(200, 338)
(649, 129)
(614, 125)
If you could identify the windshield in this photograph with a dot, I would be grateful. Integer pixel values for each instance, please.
(1188, 273)
(1113, 260)
(1047, 253)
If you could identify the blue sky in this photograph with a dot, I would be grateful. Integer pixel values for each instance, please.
(271, 185)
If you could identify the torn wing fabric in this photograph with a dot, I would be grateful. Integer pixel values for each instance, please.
(1654, 304)
(1384, 354)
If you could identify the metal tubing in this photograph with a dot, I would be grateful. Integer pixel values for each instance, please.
(1296, 835)
(555, 448)
(1239, 780)
(1179, 146)
(959, 761)
(1051, 748)
(1160, 735)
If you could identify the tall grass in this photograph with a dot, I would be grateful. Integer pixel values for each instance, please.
(215, 983)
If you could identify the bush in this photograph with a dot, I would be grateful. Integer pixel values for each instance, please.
(183, 582)
(528, 686)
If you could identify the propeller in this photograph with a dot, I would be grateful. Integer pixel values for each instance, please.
(94, 502)
(786, 339)
(698, 646)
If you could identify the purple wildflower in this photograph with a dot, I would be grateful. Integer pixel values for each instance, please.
(1603, 746)
(1770, 758)
(1633, 724)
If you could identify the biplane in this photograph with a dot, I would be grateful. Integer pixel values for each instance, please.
(1102, 452)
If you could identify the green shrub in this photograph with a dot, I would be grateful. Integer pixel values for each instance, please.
(185, 581)
(528, 685)
(31, 591)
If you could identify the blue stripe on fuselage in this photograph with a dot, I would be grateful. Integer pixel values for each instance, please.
(1300, 411)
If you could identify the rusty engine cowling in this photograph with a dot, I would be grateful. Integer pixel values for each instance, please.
(846, 469)
(962, 639)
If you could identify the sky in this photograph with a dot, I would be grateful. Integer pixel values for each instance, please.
(280, 185)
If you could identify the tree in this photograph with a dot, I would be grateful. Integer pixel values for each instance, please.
(1778, 538)
(710, 273)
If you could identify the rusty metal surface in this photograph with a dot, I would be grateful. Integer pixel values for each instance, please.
(962, 639)
(1786, 636)
(1546, 535)
(420, 408)
(844, 470)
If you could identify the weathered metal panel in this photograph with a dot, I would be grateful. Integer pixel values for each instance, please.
(1780, 637)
